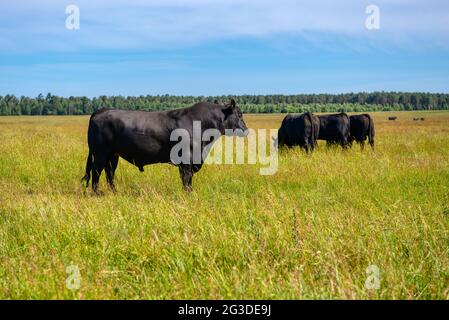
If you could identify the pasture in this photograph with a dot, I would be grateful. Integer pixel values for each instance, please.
(309, 231)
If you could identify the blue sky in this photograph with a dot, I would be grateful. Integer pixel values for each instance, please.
(198, 47)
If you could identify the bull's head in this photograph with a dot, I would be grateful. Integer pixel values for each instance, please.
(233, 121)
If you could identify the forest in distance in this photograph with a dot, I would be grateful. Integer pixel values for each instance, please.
(348, 102)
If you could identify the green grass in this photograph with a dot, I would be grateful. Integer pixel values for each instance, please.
(308, 232)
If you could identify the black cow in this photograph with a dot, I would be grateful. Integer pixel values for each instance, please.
(334, 128)
(299, 130)
(392, 118)
(143, 137)
(361, 127)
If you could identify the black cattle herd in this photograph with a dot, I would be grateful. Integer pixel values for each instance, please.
(304, 130)
(143, 138)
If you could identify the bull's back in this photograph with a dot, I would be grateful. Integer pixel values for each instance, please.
(140, 137)
(333, 126)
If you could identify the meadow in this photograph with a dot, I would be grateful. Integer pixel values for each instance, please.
(311, 231)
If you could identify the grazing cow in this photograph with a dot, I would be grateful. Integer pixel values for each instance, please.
(335, 128)
(361, 127)
(299, 130)
(142, 137)
(422, 119)
(392, 118)
(415, 119)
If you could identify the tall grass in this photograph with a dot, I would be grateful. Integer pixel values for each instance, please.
(310, 231)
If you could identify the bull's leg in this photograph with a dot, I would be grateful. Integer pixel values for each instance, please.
(312, 145)
(110, 171)
(306, 147)
(186, 173)
(371, 142)
(98, 166)
(362, 144)
(350, 141)
(114, 164)
(344, 143)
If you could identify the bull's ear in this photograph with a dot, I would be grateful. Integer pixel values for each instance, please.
(233, 103)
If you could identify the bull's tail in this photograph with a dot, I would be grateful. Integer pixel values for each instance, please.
(88, 169)
(312, 126)
(348, 132)
(371, 131)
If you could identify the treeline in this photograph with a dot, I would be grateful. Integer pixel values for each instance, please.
(349, 102)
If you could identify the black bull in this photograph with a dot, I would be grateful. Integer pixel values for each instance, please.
(143, 137)
(362, 127)
(299, 130)
(335, 128)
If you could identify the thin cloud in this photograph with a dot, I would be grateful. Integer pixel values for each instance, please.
(122, 25)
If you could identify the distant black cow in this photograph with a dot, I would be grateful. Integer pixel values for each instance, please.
(143, 137)
(299, 130)
(361, 127)
(335, 128)
(392, 118)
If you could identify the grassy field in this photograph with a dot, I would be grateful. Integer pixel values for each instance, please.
(310, 231)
